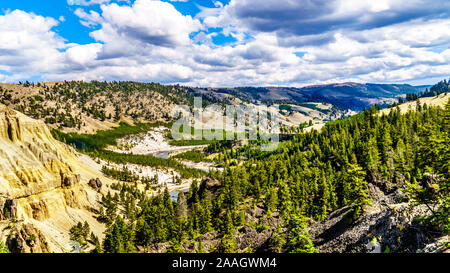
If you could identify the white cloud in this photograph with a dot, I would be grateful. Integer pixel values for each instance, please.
(148, 22)
(88, 19)
(91, 2)
(83, 54)
(28, 46)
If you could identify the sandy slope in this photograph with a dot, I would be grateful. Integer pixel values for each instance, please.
(47, 180)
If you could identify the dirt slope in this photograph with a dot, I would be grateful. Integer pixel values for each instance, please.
(43, 187)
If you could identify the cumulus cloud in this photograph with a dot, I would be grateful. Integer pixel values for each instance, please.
(28, 46)
(148, 22)
(346, 40)
(88, 19)
(83, 54)
(319, 17)
(91, 2)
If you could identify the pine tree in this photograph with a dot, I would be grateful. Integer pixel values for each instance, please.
(175, 247)
(181, 207)
(277, 240)
(299, 240)
(399, 157)
(271, 201)
(386, 151)
(227, 244)
(228, 226)
(201, 248)
(372, 157)
(114, 241)
(324, 195)
(286, 205)
(355, 190)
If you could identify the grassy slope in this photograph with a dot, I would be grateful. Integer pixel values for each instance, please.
(439, 100)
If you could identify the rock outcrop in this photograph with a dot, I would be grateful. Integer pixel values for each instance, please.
(9, 208)
(96, 184)
(27, 239)
(389, 225)
(246, 237)
(31, 160)
(211, 186)
(43, 186)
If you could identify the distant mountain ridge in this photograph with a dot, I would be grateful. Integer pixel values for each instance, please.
(349, 95)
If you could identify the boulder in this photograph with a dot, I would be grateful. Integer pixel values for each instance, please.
(69, 181)
(385, 186)
(431, 182)
(96, 184)
(248, 237)
(211, 186)
(400, 180)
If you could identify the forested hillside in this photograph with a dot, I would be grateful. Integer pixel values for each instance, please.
(273, 196)
(81, 106)
(437, 89)
(77, 106)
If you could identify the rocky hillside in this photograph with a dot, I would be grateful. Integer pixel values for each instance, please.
(43, 187)
(389, 224)
(88, 107)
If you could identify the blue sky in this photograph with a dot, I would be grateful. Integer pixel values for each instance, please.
(226, 43)
(71, 29)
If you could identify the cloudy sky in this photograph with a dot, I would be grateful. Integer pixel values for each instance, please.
(226, 42)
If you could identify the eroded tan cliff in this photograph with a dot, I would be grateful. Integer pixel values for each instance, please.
(43, 186)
